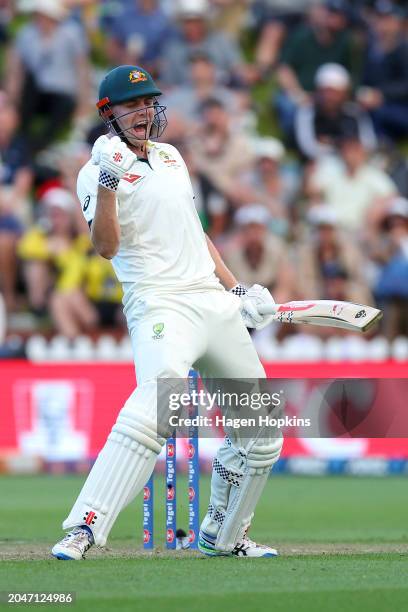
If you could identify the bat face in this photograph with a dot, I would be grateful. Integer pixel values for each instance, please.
(331, 313)
(296, 306)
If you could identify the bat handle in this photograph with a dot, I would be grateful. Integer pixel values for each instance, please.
(268, 309)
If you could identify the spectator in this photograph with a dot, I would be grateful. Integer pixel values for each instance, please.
(385, 77)
(15, 182)
(63, 272)
(268, 183)
(194, 36)
(256, 255)
(325, 38)
(184, 103)
(230, 16)
(53, 258)
(391, 252)
(329, 264)
(274, 19)
(137, 34)
(221, 153)
(331, 113)
(349, 185)
(48, 73)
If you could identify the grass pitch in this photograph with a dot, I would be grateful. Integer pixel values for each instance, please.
(343, 544)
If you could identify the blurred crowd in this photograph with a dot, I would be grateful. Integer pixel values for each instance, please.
(292, 118)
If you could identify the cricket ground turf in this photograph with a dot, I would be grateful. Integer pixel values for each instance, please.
(343, 544)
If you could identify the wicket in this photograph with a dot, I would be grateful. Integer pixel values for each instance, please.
(171, 488)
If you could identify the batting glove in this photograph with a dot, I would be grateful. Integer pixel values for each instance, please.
(114, 159)
(252, 298)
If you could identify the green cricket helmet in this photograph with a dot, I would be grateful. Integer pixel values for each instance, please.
(123, 84)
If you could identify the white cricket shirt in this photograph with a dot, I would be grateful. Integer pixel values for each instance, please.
(162, 246)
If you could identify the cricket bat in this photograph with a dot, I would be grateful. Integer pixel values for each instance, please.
(330, 313)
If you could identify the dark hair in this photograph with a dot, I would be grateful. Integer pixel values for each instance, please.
(334, 269)
(200, 56)
(211, 103)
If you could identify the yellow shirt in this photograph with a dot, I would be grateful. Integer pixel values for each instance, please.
(78, 266)
(101, 283)
(68, 264)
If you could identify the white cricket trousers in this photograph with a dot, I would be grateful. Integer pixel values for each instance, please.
(170, 334)
(202, 329)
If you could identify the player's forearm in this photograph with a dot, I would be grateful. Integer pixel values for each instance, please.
(105, 230)
(224, 274)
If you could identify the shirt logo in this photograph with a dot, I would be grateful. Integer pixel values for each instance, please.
(131, 178)
(86, 203)
(135, 76)
(166, 158)
(157, 330)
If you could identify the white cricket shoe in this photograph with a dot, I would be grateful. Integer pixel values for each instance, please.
(243, 548)
(75, 544)
(248, 548)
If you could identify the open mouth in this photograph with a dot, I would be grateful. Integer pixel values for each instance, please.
(139, 129)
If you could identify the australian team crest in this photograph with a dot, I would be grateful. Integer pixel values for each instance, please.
(158, 331)
(167, 159)
(135, 76)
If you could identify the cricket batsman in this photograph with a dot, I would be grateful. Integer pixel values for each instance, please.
(184, 309)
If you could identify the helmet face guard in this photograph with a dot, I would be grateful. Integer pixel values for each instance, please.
(112, 121)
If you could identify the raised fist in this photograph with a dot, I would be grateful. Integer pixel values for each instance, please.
(114, 159)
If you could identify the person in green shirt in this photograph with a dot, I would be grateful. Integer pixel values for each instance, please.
(324, 38)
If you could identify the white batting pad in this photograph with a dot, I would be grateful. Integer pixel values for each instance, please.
(238, 479)
(122, 468)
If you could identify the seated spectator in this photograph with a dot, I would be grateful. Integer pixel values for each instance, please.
(137, 34)
(269, 183)
(61, 270)
(329, 264)
(385, 77)
(325, 38)
(391, 253)
(184, 102)
(48, 73)
(52, 251)
(349, 185)
(221, 153)
(319, 125)
(15, 183)
(194, 36)
(256, 255)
